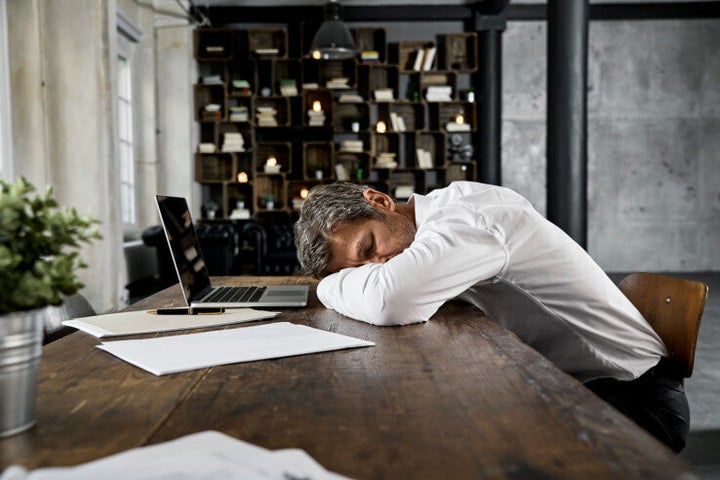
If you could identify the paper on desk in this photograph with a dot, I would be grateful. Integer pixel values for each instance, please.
(180, 353)
(132, 323)
(200, 456)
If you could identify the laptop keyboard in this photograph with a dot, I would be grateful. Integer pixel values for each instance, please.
(234, 294)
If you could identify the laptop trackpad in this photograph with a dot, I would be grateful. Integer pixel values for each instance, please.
(277, 292)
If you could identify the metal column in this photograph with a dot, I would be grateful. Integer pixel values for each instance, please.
(567, 35)
(488, 83)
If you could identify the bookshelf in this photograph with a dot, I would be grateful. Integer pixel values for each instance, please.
(273, 123)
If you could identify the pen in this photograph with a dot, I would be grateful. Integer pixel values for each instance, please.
(188, 311)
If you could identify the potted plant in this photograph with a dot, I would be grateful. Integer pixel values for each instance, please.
(39, 260)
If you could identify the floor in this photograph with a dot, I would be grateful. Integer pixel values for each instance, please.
(703, 388)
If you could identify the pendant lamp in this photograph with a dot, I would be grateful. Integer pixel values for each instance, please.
(333, 40)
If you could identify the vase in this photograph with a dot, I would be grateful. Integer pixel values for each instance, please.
(21, 335)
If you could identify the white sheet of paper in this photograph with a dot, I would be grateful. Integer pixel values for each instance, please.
(132, 323)
(180, 353)
(205, 455)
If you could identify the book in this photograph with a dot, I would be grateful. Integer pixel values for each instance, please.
(417, 66)
(429, 58)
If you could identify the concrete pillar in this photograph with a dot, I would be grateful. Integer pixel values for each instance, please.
(567, 116)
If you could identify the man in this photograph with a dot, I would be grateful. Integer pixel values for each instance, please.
(393, 264)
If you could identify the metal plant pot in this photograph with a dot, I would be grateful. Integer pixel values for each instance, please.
(21, 335)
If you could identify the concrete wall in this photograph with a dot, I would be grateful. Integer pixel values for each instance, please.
(62, 58)
(653, 138)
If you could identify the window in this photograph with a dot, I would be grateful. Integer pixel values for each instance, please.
(126, 147)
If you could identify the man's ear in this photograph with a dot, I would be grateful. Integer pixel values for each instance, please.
(378, 199)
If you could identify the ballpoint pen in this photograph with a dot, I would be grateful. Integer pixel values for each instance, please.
(188, 311)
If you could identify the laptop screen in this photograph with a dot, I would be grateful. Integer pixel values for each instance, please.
(184, 246)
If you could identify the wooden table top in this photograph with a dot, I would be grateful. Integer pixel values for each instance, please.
(456, 397)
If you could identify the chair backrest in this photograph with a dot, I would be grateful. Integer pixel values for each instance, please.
(673, 307)
(74, 306)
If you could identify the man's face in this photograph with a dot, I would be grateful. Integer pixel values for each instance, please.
(370, 241)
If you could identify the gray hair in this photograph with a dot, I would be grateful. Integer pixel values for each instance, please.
(325, 207)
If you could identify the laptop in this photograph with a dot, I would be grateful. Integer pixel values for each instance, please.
(193, 274)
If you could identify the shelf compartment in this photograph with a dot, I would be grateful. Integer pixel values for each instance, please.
(287, 70)
(228, 140)
(434, 145)
(267, 188)
(214, 44)
(325, 97)
(388, 142)
(459, 52)
(238, 192)
(240, 73)
(318, 156)
(267, 108)
(443, 113)
(345, 113)
(281, 151)
(209, 94)
(405, 53)
(377, 77)
(262, 42)
(369, 39)
(355, 165)
(214, 167)
(413, 115)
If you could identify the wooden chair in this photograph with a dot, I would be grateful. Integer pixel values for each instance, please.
(74, 306)
(673, 307)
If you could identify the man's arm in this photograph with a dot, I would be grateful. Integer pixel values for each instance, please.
(444, 260)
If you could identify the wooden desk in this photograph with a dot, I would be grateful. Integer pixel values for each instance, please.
(457, 397)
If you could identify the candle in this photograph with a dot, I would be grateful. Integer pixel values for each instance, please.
(380, 127)
(304, 193)
(242, 177)
(317, 106)
(459, 119)
(272, 165)
(316, 54)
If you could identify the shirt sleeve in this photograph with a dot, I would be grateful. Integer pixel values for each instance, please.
(445, 259)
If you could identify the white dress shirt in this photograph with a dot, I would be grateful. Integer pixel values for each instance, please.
(488, 246)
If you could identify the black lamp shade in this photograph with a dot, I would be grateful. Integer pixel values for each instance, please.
(333, 40)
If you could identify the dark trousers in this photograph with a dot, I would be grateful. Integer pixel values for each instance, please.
(655, 401)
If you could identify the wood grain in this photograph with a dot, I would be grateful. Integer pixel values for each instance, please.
(457, 397)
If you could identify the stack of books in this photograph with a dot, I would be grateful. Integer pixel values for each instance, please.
(310, 86)
(384, 95)
(350, 98)
(370, 57)
(316, 119)
(265, 117)
(233, 142)
(354, 146)
(385, 160)
(206, 147)
(211, 112)
(267, 51)
(438, 93)
(457, 127)
(241, 87)
(239, 114)
(212, 80)
(288, 87)
(337, 83)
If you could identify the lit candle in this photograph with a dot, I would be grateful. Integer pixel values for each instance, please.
(317, 106)
(304, 193)
(242, 177)
(316, 54)
(459, 119)
(272, 165)
(380, 127)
